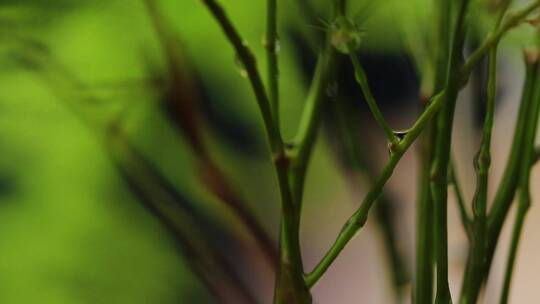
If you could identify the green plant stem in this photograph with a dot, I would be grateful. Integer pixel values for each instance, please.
(524, 188)
(423, 292)
(441, 159)
(512, 20)
(361, 78)
(474, 273)
(271, 43)
(290, 286)
(309, 122)
(384, 210)
(248, 60)
(426, 253)
(307, 134)
(508, 185)
(460, 200)
(359, 218)
(298, 159)
(523, 207)
(294, 177)
(443, 41)
(300, 153)
(477, 251)
(304, 140)
(385, 219)
(439, 192)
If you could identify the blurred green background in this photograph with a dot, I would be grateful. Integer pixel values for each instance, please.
(70, 229)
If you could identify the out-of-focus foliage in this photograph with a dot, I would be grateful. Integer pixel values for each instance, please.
(71, 232)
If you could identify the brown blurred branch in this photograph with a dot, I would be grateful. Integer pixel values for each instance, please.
(191, 231)
(181, 99)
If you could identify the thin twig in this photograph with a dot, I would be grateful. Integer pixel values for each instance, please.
(310, 120)
(482, 164)
(508, 184)
(512, 20)
(248, 60)
(441, 158)
(359, 218)
(361, 78)
(384, 211)
(525, 191)
(185, 100)
(474, 271)
(460, 199)
(271, 43)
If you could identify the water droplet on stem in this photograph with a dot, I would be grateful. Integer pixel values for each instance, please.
(400, 134)
(240, 67)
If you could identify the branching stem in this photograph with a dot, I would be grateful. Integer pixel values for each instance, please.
(358, 219)
(441, 159)
(524, 188)
(482, 164)
(248, 60)
(512, 20)
(291, 165)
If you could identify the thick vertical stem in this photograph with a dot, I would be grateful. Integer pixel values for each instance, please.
(290, 286)
(247, 58)
(425, 242)
(441, 159)
(297, 164)
(516, 235)
(439, 192)
(423, 292)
